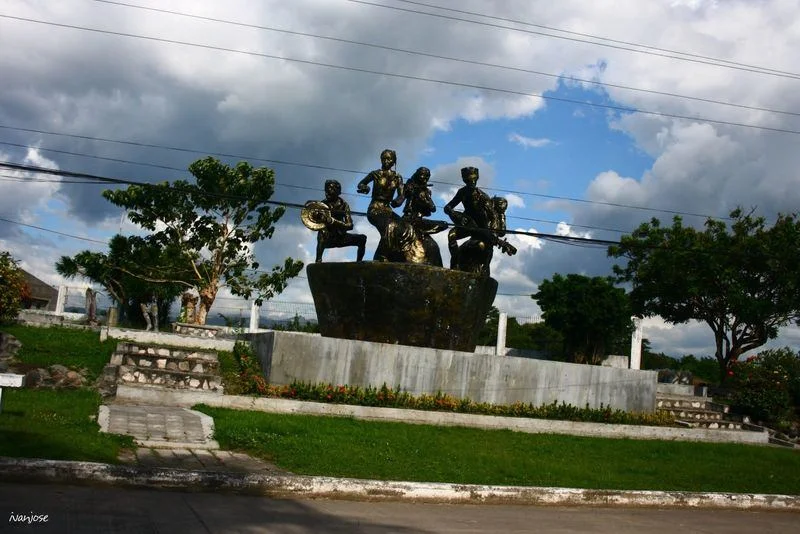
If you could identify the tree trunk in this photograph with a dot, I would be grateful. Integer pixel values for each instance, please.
(207, 296)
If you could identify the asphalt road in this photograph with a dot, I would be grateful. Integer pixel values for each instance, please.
(73, 509)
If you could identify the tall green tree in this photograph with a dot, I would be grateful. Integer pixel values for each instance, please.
(592, 315)
(12, 287)
(742, 279)
(211, 225)
(124, 273)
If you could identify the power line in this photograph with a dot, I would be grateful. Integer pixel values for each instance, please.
(349, 171)
(54, 231)
(182, 149)
(32, 180)
(413, 77)
(277, 184)
(652, 52)
(581, 34)
(59, 172)
(447, 58)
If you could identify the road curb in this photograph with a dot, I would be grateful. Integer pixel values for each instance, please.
(55, 471)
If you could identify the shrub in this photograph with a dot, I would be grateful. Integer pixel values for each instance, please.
(767, 386)
(12, 288)
(387, 397)
(251, 377)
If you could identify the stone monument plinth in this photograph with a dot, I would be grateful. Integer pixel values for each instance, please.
(401, 303)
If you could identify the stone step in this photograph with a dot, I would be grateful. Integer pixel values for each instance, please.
(783, 443)
(132, 355)
(188, 364)
(133, 349)
(691, 403)
(721, 425)
(691, 413)
(170, 379)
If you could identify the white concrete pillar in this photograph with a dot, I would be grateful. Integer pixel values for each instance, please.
(636, 344)
(255, 311)
(62, 298)
(502, 324)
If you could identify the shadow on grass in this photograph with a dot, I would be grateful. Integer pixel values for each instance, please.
(60, 446)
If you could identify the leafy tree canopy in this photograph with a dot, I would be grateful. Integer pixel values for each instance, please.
(12, 288)
(210, 226)
(592, 315)
(124, 270)
(742, 279)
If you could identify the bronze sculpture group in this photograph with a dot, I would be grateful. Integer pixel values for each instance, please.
(408, 238)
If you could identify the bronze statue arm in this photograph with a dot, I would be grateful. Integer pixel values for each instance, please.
(363, 185)
(342, 219)
(400, 198)
(448, 208)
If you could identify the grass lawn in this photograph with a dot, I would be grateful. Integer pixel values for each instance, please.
(56, 425)
(343, 447)
(76, 349)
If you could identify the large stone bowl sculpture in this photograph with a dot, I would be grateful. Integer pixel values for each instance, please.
(403, 303)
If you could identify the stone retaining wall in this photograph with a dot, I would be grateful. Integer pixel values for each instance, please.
(158, 366)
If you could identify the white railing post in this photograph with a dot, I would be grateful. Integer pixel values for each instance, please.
(502, 324)
(62, 298)
(636, 344)
(255, 310)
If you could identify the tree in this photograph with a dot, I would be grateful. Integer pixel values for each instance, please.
(211, 227)
(539, 337)
(123, 272)
(743, 281)
(12, 288)
(591, 314)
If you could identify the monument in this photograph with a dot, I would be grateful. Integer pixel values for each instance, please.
(405, 296)
(405, 320)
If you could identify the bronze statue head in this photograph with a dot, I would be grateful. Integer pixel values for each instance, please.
(332, 189)
(469, 175)
(388, 159)
(422, 175)
(500, 204)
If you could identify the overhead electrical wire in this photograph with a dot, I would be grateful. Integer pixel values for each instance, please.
(277, 183)
(601, 38)
(652, 51)
(350, 171)
(612, 107)
(446, 58)
(53, 231)
(119, 181)
(360, 172)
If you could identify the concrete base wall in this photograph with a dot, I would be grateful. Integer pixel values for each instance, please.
(676, 389)
(290, 356)
(48, 318)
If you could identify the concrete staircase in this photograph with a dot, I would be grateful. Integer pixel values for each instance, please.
(691, 411)
(696, 411)
(149, 366)
(136, 371)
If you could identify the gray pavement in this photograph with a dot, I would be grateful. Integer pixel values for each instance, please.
(80, 509)
(159, 426)
(171, 437)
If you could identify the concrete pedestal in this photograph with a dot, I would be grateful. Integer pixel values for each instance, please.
(409, 304)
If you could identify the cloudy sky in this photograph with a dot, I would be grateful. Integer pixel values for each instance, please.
(533, 93)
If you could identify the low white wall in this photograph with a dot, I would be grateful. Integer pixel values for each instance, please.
(166, 338)
(290, 356)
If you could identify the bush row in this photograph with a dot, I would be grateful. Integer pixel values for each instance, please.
(251, 381)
